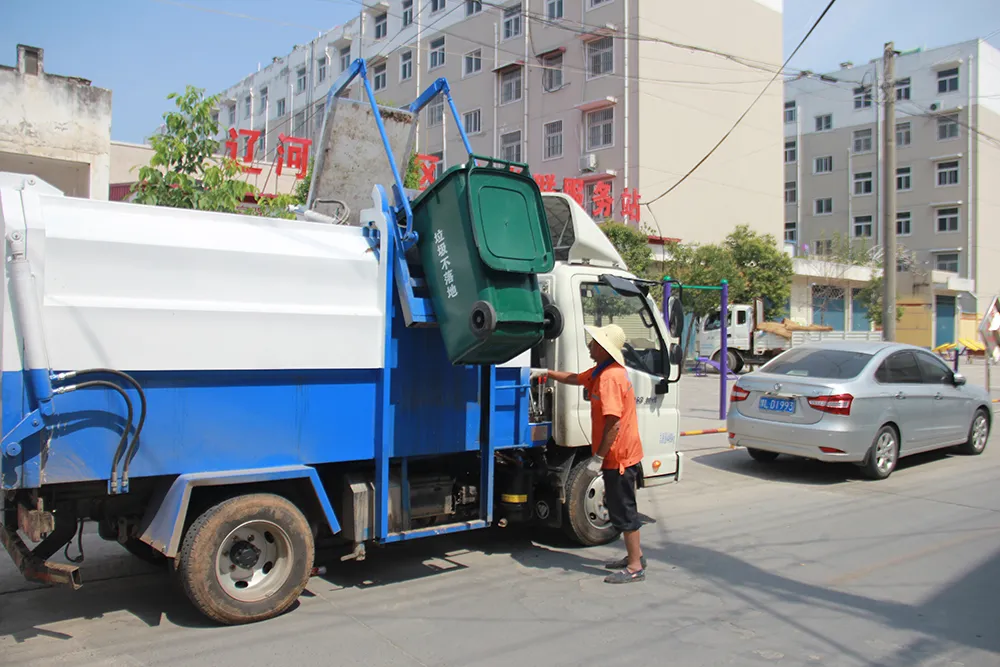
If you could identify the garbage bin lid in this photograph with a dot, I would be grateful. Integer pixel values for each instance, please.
(509, 221)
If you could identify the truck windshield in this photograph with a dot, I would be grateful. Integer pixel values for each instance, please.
(818, 362)
(603, 305)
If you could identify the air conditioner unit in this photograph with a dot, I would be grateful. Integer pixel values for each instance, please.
(936, 105)
(588, 162)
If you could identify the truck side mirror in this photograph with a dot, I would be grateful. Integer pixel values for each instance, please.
(675, 317)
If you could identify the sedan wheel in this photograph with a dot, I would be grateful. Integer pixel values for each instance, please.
(979, 433)
(883, 455)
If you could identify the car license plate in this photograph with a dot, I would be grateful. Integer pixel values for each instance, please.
(786, 405)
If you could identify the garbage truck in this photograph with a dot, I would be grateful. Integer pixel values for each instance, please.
(224, 394)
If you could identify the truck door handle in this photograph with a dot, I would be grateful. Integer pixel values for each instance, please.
(900, 395)
(938, 396)
(729, 335)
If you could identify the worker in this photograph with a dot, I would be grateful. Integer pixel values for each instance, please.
(615, 443)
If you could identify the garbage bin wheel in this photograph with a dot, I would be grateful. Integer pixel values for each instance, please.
(482, 319)
(554, 322)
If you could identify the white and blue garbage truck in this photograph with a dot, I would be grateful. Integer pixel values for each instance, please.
(222, 393)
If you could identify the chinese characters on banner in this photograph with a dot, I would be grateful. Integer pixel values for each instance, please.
(602, 200)
(291, 153)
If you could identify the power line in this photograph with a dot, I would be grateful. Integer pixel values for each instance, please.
(248, 17)
(744, 114)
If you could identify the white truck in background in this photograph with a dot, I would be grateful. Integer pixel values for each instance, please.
(752, 341)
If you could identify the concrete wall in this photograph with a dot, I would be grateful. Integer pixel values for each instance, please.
(55, 127)
(986, 156)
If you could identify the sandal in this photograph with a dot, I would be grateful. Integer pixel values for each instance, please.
(623, 563)
(625, 576)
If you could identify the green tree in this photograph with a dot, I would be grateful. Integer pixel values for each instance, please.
(184, 171)
(765, 270)
(871, 297)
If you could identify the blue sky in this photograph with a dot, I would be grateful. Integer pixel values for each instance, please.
(144, 49)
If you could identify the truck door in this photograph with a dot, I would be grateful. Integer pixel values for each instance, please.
(657, 413)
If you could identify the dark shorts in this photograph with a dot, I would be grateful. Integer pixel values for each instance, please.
(619, 490)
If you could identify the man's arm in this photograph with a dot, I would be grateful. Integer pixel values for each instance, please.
(564, 377)
(611, 424)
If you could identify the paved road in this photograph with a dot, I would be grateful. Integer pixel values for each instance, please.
(789, 564)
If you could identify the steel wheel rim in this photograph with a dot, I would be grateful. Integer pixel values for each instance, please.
(979, 433)
(885, 452)
(593, 504)
(253, 561)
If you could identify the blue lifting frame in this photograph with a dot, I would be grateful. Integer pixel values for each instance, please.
(421, 311)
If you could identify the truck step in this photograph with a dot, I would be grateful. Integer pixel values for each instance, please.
(444, 529)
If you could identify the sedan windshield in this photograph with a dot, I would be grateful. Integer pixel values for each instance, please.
(818, 363)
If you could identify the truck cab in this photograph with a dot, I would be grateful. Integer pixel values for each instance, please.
(592, 286)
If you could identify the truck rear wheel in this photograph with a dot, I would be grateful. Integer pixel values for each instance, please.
(246, 559)
(587, 520)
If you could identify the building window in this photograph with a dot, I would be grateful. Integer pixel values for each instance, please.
(790, 151)
(947, 173)
(321, 70)
(260, 146)
(862, 141)
(947, 127)
(553, 139)
(904, 222)
(232, 115)
(300, 124)
(405, 65)
(862, 226)
(437, 53)
(552, 74)
(438, 5)
(247, 106)
(472, 7)
(862, 183)
(791, 192)
(345, 58)
(435, 113)
(473, 62)
(554, 9)
(512, 22)
(215, 117)
(903, 89)
(589, 190)
(947, 261)
(600, 128)
(381, 26)
(300, 80)
(948, 80)
(823, 165)
(263, 100)
(863, 97)
(510, 146)
(510, 85)
(903, 134)
(600, 57)
(438, 164)
(281, 108)
(407, 12)
(598, 3)
(473, 121)
(380, 78)
(823, 206)
(903, 181)
(824, 123)
(947, 220)
(791, 231)
(790, 112)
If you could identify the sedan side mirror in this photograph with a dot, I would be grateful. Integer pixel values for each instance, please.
(958, 379)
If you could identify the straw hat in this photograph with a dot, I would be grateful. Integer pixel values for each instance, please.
(612, 338)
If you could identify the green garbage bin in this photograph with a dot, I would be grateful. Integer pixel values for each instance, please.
(483, 238)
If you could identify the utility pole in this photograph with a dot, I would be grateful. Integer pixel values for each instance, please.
(889, 200)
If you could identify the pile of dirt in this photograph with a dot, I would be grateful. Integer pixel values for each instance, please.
(785, 328)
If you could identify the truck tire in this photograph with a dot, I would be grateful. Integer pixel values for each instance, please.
(587, 521)
(246, 559)
(734, 360)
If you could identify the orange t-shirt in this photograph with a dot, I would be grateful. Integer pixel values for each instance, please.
(611, 393)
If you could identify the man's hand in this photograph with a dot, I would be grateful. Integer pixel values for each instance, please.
(536, 374)
(595, 463)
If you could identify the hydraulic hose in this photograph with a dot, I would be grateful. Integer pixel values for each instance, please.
(128, 421)
(138, 429)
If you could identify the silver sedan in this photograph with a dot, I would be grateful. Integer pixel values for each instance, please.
(867, 403)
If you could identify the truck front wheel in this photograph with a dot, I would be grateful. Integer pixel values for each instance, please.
(587, 520)
(246, 559)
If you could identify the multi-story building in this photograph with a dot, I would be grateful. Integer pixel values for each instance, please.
(947, 137)
(596, 95)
